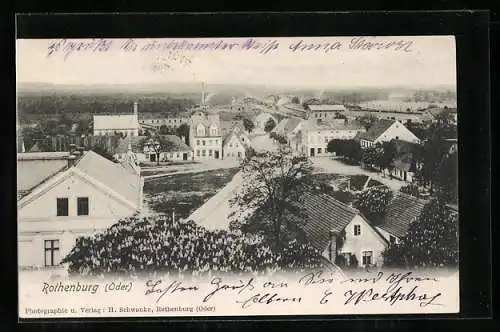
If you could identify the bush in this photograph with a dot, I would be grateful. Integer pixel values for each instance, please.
(373, 202)
(158, 244)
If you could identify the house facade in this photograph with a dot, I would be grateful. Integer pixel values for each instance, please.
(291, 129)
(235, 144)
(316, 135)
(261, 119)
(339, 231)
(156, 120)
(385, 130)
(205, 136)
(148, 149)
(125, 124)
(63, 196)
(322, 111)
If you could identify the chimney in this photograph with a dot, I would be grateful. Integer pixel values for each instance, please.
(333, 247)
(136, 108)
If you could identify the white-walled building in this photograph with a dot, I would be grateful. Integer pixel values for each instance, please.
(236, 144)
(126, 124)
(384, 131)
(60, 199)
(205, 137)
(261, 120)
(336, 229)
(326, 112)
(142, 149)
(315, 136)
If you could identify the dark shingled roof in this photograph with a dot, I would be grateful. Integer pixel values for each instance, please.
(377, 129)
(287, 126)
(402, 210)
(324, 214)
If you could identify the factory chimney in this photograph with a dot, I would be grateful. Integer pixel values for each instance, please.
(136, 108)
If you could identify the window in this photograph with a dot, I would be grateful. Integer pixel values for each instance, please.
(198, 153)
(326, 139)
(210, 153)
(203, 153)
(319, 150)
(197, 142)
(231, 145)
(51, 252)
(203, 142)
(239, 154)
(62, 206)
(357, 230)
(82, 204)
(367, 257)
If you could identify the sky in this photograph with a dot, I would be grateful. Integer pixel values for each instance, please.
(428, 61)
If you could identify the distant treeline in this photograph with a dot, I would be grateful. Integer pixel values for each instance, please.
(78, 106)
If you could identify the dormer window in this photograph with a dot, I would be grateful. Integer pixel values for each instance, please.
(200, 130)
(213, 130)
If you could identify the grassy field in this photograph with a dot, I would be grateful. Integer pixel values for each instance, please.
(185, 192)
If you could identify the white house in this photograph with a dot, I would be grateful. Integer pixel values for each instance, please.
(336, 229)
(126, 124)
(316, 135)
(205, 137)
(261, 119)
(63, 196)
(156, 120)
(324, 111)
(403, 209)
(384, 131)
(143, 149)
(235, 144)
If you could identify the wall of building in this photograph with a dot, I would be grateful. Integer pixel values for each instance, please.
(368, 240)
(234, 149)
(109, 132)
(203, 145)
(38, 220)
(400, 131)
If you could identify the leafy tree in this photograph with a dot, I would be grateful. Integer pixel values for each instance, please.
(389, 153)
(101, 149)
(431, 241)
(278, 138)
(349, 148)
(158, 244)
(273, 185)
(295, 100)
(411, 189)
(372, 156)
(373, 202)
(248, 124)
(183, 131)
(367, 120)
(270, 124)
(446, 179)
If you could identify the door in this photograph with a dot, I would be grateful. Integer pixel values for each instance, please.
(184, 156)
(216, 154)
(312, 152)
(152, 157)
(405, 175)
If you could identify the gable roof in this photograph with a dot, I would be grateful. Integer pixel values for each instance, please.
(324, 214)
(118, 122)
(239, 135)
(177, 144)
(113, 175)
(377, 129)
(402, 210)
(33, 169)
(287, 125)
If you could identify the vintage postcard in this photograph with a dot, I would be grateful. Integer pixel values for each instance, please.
(237, 176)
